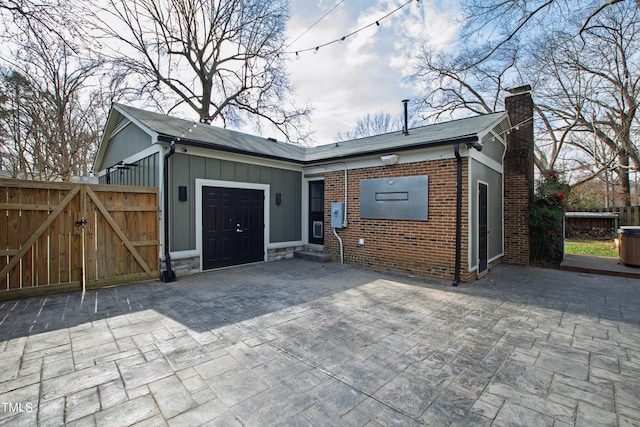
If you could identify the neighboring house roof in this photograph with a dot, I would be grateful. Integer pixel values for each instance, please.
(169, 128)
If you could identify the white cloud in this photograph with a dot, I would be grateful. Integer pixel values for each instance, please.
(365, 73)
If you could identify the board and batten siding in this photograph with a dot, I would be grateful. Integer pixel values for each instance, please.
(284, 222)
(493, 179)
(126, 143)
(146, 174)
(492, 148)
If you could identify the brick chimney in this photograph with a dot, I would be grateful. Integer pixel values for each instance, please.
(518, 176)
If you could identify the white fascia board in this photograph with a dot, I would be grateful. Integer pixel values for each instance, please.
(153, 149)
(409, 156)
(489, 128)
(152, 134)
(109, 131)
(486, 160)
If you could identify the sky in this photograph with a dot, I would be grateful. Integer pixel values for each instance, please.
(367, 72)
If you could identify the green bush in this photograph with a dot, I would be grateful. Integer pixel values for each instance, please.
(546, 215)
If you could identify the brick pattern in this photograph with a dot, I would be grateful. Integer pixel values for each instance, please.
(518, 180)
(422, 248)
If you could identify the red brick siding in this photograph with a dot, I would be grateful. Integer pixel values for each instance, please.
(422, 248)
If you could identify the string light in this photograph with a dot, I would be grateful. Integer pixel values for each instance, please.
(343, 38)
(175, 140)
(315, 23)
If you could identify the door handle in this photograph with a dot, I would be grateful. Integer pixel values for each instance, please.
(238, 229)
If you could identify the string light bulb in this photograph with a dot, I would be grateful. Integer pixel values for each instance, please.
(315, 51)
(342, 39)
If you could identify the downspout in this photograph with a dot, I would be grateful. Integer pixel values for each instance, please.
(168, 275)
(344, 219)
(335, 233)
(456, 273)
(344, 222)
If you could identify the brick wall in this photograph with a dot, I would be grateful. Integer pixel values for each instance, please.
(518, 177)
(422, 248)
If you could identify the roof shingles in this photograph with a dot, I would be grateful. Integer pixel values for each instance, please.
(168, 128)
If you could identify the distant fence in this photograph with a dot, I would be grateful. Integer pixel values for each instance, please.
(627, 215)
(57, 237)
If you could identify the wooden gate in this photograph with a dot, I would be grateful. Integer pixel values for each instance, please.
(58, 237)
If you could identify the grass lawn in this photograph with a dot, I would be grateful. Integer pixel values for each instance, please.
(606, 248)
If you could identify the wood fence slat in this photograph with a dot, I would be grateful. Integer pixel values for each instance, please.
(26, 206)
(39, 231)
(4, 236)
(27, 225)
(41, 247)
(55, 195)
(13, 219)
(118, 231)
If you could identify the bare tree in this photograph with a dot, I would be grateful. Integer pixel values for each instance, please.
(371, 125)
(57, 17)
(16, 131)
(49, 125)
(450, 85)
(585, 88)
(219, 57)
(506, 21)
(591, 89)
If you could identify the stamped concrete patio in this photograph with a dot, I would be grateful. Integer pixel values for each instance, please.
(299, 343)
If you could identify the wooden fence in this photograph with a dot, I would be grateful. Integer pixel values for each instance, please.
(57, 237)
(627, 215)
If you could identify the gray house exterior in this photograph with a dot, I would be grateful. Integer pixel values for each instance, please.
(236, 198)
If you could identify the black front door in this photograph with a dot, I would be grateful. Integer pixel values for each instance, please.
(232, 226)
(483, 240)
(316, 212)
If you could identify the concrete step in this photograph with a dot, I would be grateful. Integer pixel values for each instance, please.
(312, 256)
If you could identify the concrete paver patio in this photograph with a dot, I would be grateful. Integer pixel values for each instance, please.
(299, 343)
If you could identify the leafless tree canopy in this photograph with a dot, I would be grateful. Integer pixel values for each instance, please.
(48, 121)
(65, 61)
(583, 61)
(373, 124)
(219, 57)
(48, 125)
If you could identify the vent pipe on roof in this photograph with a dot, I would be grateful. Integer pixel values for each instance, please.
(405, 129)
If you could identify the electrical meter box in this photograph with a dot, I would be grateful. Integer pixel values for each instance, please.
(337, 214)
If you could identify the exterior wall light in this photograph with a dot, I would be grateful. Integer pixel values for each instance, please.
(389, 159)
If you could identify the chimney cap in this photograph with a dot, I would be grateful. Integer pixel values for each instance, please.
(519, 89)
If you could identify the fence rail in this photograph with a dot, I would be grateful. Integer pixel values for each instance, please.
(57, 237)
(627, 215)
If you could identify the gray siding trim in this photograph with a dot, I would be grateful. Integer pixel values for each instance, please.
(126, 143)
(493, 148)
(146, 174)
(284, 221)
(493, 179)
